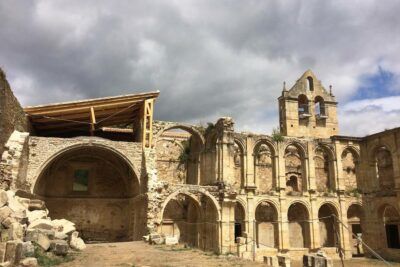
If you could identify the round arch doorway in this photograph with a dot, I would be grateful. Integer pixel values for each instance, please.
(93, 187)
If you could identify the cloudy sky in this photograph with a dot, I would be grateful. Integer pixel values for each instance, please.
(208, 58)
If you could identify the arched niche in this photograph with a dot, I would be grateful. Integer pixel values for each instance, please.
(384, 168)
(240, 218)
(295, 169)
(299, 226)
(264, 167)
(350, 159)
(355, 215)
(193, 220)
(178, 151)
(324, 169)
(93, 187)
(328, 226)
(390, 221)
(267, 225)
(238, 160)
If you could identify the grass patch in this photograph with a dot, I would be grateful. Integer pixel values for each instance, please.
(49, 259)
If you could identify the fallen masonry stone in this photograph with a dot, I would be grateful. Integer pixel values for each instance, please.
(41, 224)
(28, 249)
(43, 241)
(156, 239)
(171, 240)
(35, 215)
(60, 235)
(59, 247)
(64, 226)
(13, 253)
(15, 205)
(76, 242)
(29, 262)
(33, 234)
(4, 213)
(8, 222)
(36, 204)
(5, 264)
(3, 198)
(16, 231)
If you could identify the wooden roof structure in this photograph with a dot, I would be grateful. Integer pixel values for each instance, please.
(93, 114)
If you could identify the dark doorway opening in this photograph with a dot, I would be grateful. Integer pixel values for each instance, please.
(392, 236)
(238, 231)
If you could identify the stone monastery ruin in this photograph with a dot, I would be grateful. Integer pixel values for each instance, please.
(107, 166)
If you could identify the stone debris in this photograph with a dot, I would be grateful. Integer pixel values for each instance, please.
(25, 224)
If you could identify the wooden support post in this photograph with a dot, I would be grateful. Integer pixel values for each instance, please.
(92, 121)
(147, 123)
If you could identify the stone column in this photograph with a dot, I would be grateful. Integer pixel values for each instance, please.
(251, 218)
(227, 225)
(310, 168)
(345, 236)
(284, 243)
(315, 234)
(250, 179)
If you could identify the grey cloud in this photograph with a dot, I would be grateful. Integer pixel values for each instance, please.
(208, 58)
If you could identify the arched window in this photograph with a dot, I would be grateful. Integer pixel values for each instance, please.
(384, 168)
(310, 83)
(303, 106)
(319, 105)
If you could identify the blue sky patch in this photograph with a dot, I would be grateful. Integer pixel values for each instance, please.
(380, 84)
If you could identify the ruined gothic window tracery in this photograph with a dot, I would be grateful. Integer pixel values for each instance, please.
(238, 166)
(293, 169)
(264, 168)
(349, 169)
(384, 167)
(322, 170)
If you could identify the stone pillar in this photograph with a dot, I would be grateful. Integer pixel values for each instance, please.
(228, 225)
(310, 168)
(345, 236)
(315, 234)
(339, 175)
(284, 241)
(250, 179)
(280, 167)
(251, 218)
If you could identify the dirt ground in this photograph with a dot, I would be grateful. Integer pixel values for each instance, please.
(136, 254)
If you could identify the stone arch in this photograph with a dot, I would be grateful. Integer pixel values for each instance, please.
(194, 219)
(264, 158)
(295, 166)
(93, 186)
(328, 225)
(389, 218)
(267, 234)
(382, 158)
(350, 158)
(303, 105)
(73, 147)
(179, 166)
(324, 168)
(355, 216)
(299, 225)
(319, 105)
(240, 219)
(238, 161)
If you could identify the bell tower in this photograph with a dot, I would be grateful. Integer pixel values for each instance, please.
(308, 109)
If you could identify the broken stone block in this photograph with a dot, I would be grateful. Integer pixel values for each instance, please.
(283, 260)
(3, 198)
(13, 253)
(156, 239)
(36, 215)
(15, 205)
(60, 236)
(76, 242)
(29, 262)
(41, 224)
(8, 222)
(64, 226)
(59, 247)
(28, 250)
(5, 264)
(43, 241)
(5, 212)
(16, 231)
(36, 204)
(33, 234)
(171, 240)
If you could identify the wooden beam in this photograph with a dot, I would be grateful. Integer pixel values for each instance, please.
(92, 121)
(147, 123)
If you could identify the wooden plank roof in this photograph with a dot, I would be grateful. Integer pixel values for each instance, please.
(87, 115)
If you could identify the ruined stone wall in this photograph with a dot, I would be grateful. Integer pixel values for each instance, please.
(12, 116)
(43, 149)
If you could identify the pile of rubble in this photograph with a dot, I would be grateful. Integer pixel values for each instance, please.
(25, 224)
